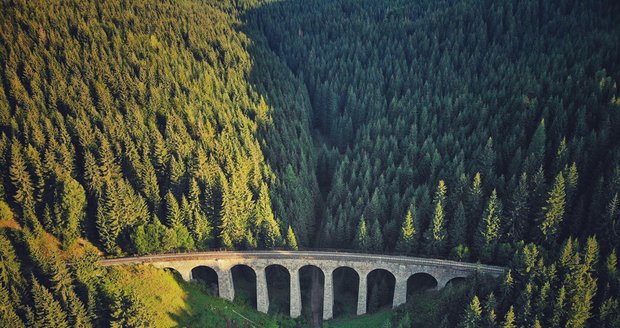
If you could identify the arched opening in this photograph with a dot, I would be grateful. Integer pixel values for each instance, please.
(311, 284)
(420, 283)
(279, 288)
(380, 290)
(176, 274)
(244, 281)
(346, 288)
(207, 277)
(455, 282)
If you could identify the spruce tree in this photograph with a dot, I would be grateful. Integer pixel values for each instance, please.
(47, 311)
(269, 233)
(473, 314)
(376, 237)
(291, 240)
(554, 210)
(509, 319)
(406, 239)
(489, 228)
(362, 238)
(173, 213)
(436, 234)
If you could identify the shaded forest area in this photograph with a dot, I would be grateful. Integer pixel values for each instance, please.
(473, 130)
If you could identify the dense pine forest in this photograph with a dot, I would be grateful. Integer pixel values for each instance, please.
(472, 130)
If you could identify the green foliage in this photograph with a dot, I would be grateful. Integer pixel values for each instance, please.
(473, 314)
(554, 211)
(362, 237)
(407, 237)
(47, 310)
(436, 234)
(291, 239)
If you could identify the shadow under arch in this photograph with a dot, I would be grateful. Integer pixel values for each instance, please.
(380, 285)
(174, 272)
(208, 276)
(420, 282)
(311, 285)
(346, 283)
(244, 282)
(278, 288)
(455, 282)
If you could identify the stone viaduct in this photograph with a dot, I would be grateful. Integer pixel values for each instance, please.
(401, 267)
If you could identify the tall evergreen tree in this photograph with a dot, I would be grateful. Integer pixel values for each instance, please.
(362, 237)
(436, 234)
(554, 210)
(407, 235)
(47, 311)
(473, 314)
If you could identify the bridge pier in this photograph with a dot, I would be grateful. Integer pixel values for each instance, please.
(328, 295)
(361, 293)
(262, 292)
(225, 284)
(400, 291)
(295, 289)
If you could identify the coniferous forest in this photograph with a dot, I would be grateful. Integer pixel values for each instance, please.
(471, 130)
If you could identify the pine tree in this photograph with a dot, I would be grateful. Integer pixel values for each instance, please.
(436, 234)
(48, 312)
(536, 151)
(21, 180)
(407, 235)
(490, 308)
(489, 228)
(554, 211)
(8, 316)
(362, 238)
(291, 240)
(458, 228)
(519, 211)
(376, 237)
(269, 232)
(78, 314)
(509, 319)
(474, 204)
(108, 219)
(69, 211)
(473, 314)
(173, 213)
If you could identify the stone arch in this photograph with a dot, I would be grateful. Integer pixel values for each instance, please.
(311, 285)
(346, 290)
(380, 284)
(244, 284)
(208, 276)
(420, 282)
(278, 280)
(456, 281)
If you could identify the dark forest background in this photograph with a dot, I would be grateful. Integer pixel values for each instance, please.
(472, 130)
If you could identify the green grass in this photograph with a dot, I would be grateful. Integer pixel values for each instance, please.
(176, 303)
(375, 320)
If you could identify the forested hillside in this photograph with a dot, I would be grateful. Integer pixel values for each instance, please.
(474, 130)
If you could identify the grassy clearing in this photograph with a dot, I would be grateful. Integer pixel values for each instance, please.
(375, 320)
(176, 303)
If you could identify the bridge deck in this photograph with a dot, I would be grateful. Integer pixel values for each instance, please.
(297, 255)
